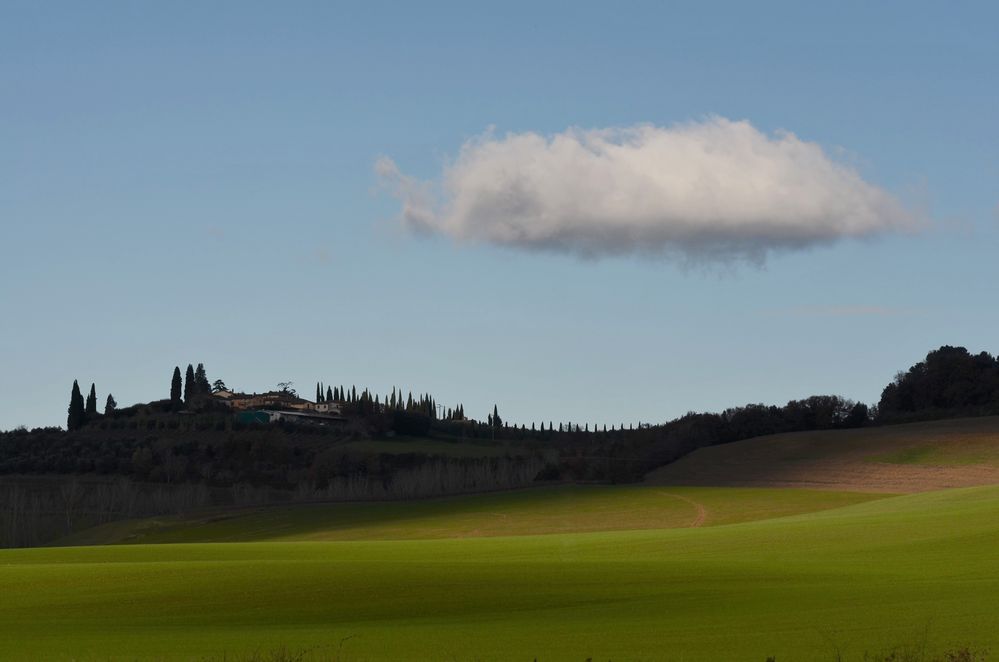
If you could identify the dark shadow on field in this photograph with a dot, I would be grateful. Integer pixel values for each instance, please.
(500, 513)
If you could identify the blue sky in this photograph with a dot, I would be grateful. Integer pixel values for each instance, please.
(188, 182)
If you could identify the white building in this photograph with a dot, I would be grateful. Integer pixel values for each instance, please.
(332, 408)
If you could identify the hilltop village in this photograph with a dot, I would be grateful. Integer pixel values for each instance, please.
(193, 394)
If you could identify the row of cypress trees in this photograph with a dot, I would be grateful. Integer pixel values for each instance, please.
(81, 412)
(195, 386)
(365, 402)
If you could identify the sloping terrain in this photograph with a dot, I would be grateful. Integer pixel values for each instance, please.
(914, 571)
(661, 571)
(915, 457)
(562, 509)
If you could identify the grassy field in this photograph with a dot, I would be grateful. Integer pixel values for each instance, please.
(861, 577)
(561, 509)
(650, 572)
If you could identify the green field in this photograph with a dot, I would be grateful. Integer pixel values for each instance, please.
(562, 509)
(849, 579)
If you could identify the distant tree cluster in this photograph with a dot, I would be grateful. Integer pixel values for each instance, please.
(184, 393)
(82, 411)
(949, 381)
(366, 402)
(195, 387)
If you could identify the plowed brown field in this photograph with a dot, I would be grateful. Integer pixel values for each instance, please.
(915, 457)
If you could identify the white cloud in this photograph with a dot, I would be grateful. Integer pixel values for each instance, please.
(716, 190)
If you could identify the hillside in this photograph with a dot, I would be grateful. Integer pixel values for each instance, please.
(817, 586)
(546, 510)
(914, 457)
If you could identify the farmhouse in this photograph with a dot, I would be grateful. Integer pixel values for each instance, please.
(333, 408)
(273, 416)
(271, 399)
(275, 402)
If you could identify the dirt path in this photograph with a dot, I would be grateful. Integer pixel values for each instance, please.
(702, 512)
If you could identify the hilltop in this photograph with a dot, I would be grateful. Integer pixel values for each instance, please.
(207, 445)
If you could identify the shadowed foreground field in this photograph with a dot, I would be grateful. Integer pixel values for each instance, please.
(863, 577)
(562, 509)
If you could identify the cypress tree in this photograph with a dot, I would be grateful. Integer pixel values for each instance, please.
(202, 387)
(319, 392)
(175, 388)
(189, 387)
(76, 414)
(329, 394)
(110, 405)
(91, 407)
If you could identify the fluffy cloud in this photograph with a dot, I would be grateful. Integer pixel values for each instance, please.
(716, 190)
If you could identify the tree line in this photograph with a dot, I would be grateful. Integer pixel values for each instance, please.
(367, 402)
(950, 381)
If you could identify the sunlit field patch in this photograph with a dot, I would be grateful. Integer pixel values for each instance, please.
(861, 577)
